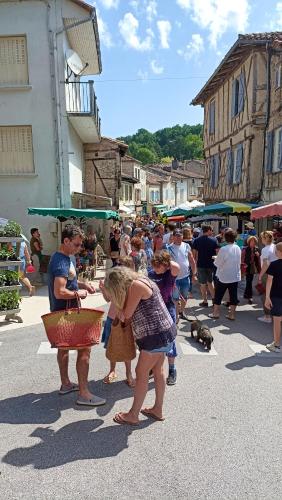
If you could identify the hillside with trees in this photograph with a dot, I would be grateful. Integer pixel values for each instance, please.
(180, 142)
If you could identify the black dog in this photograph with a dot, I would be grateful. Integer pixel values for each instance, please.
(203, 333)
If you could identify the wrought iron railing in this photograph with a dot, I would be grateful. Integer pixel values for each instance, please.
(81, 100)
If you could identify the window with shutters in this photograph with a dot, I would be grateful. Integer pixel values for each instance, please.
(13, 60)
(238, 95)
(278, 76)
(238, 164)
(16, 151)
(212, 117)
(277, 150)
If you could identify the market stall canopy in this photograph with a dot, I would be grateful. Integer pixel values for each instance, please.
(183, 211)
(126, 210)
(272, 210)
(64, 214)
(228, 207)
(206, 218)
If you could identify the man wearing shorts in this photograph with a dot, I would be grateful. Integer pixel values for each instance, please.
(181, 253)
(204, 248)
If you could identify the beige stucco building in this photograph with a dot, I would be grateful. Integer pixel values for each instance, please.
(243, 122)
(47, 112)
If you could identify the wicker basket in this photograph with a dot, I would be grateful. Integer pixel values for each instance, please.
(73, 328)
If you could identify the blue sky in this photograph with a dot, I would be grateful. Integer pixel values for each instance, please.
(157, 54)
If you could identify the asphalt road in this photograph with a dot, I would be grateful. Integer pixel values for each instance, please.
(221, 438)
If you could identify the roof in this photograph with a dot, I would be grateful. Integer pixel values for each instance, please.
(120, 144)
(129, 178)
(153, 179)
(174, 175)
(130, 158)
(232, 60)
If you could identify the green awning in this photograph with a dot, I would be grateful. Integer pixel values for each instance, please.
(160, 207)
(74, 213)
(174, 212)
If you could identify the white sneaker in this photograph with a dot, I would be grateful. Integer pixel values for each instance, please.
(264, 319)
(272, 347)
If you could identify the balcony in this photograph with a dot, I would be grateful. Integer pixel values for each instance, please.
(82, 110)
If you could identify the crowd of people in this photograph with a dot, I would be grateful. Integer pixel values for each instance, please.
(153, 275)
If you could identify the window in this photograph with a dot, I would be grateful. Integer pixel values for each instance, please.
(181, 195)
(212, 117)
(13, 60)
(238, 163)
(278, 76)
(238, 95)
(277, 150)
(154, 195)
(214, 170)
(16, 152)
(137, 173)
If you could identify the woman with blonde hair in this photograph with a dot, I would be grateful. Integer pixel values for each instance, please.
(268, 255)
(139, 299)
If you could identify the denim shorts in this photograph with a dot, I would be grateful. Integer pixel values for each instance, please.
(182, 288)
(165, 349)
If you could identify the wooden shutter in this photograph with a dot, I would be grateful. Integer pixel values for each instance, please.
(212, 117)
(269, 153)
(239, 162)
(229, 167)
(216, 170)
(211, 171)
(13, 60)
(16, 152)
(234, 99)
(280, 150)
(241, 93)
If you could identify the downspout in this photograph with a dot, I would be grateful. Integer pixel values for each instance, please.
(268, 102)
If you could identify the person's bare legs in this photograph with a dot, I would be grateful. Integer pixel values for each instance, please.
(231, 313)
(204, 292)
(146, 362)
(277, 329)
(63, 362)
(82, 368)
(129, 377)
(28, 285)
(211, 289)
(112, 373)
(216, 310)
(160, 384)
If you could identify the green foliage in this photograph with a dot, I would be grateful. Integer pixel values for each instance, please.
(7, 254)
(9, 278)
(180, 142)
(9, 300)
(12, 228)
(167, 160)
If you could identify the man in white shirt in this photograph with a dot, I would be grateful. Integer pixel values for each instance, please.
(268, 255)
(181, 253)
(124, 242)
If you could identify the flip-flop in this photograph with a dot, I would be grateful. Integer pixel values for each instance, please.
(149, 413)
(109, 380)
(119, 420)
(230, 319)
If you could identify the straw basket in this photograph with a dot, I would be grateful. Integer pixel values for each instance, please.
(73, 328)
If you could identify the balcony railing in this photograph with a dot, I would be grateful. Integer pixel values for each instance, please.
(81, 101)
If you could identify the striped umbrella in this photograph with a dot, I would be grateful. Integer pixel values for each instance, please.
(228, 207)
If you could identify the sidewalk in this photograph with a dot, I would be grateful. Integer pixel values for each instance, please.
(32, 308)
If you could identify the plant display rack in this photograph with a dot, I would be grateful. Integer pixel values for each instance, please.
(11, 314)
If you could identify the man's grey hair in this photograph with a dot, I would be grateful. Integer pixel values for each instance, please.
(127, 230)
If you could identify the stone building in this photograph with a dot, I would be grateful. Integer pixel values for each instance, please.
(243, 122)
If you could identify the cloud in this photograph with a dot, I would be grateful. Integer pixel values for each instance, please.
(128, 27)
(157, 69)
(134, 4)
(151, 10)
(164, 30)
(192, 49)
(218, 16)
(110, 4)
(104, 34)
(276, 21)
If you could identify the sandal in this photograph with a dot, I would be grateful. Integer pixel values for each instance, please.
(229, 317)
(148, 413)
(109, 379)
(212, 316)
(118, 419)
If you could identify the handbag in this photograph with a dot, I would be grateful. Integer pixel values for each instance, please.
(260, 288)
(121, 345)
(73, 328)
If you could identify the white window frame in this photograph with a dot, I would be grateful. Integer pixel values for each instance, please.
(278, 79)
(15, 48)
(16, 151)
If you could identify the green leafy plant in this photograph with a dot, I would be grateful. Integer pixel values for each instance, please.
(12, 228)
(9, 300)
(9, 278)
(8, 254)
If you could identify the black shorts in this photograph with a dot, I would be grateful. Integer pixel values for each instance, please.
(220, 289)
(276, 309)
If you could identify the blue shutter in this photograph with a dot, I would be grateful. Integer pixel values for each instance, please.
(212, 117)
(229, 167)
(211, 170)
(280, 150)
(239, 162)
(241, 93)
(233, 103)
(216, 170)
(269, 154)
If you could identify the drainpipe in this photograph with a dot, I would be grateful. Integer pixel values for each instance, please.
(268, 102)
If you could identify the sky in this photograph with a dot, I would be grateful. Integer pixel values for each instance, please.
(158, 54)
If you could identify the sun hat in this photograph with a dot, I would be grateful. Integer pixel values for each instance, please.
(250, 225)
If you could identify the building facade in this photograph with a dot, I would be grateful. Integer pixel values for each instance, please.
(133, 168)
(243, 122)
(47, 112)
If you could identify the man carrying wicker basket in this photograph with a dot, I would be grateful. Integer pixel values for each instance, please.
(65, 292)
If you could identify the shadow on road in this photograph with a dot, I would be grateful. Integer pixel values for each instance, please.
(76, 441)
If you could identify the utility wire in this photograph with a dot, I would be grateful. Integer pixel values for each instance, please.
(153, 79)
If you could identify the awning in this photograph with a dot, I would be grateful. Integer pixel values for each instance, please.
(64, 214)
(182, 211)
(126, 210)
(272, 210)
(228, 207)
(160, 207)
